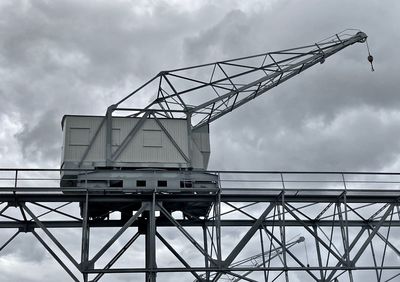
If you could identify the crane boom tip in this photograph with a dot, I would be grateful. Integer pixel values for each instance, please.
(362, 35)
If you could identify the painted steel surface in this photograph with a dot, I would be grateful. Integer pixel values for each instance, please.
(157, 143)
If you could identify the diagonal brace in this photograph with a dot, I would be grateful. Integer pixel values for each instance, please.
(338, 257)
(51, 236)
(9, 240)
(185, 233)
(129, 137)
(239, 247)
(179, 257)
(117, 256)
(47, 247)
(172, 139)
(118, 234)
(373, 233)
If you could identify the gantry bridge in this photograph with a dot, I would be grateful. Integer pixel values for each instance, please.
(261, 226)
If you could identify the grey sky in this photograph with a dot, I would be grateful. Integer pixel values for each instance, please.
(78, 57)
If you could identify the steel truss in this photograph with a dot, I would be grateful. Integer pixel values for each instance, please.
(206, 92)
(262, 226)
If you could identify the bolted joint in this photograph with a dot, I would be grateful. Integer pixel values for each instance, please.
(351, 264)
(86, 265)
(13, 204)
(218, 264)
(162, 73)
(26, 228)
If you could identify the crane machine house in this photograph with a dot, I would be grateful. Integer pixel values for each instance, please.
(146, 153)
(166, 145)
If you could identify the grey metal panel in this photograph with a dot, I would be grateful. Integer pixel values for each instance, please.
(140, 151)
(197, 161)
(201, 140)
(73, 152)
(158, 151)
(79, 136)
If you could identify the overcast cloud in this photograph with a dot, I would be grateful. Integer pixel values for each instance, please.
(78, 57)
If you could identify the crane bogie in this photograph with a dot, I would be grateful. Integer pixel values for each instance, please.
(141, 181)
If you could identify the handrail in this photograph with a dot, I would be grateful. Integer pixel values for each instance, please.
(21, 179)
(221, 171)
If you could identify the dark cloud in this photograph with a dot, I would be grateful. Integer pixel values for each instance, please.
(78, 57)
(275, 128)
(220, 41)
(33, 138)
(56, 53)
(36, 253)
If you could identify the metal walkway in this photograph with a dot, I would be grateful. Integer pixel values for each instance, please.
(349, 224)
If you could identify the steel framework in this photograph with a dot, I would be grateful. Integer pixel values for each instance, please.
(349, 225)
(206, 92)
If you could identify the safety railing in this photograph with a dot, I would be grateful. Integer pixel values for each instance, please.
(35, 180)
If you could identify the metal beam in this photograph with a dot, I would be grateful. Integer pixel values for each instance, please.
(51, 236)
(54, 255)
(118, 234)
(9, 241)
(129, 137)
(117, 256)
(177, 255)
(170, 138)
(243, 242)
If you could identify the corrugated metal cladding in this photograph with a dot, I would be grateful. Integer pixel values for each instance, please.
(149, 147)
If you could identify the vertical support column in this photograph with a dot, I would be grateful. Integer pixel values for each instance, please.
(318, 249)
(347, 228)
(190, 139)
(283, 228)
(85, 239)
(15, 187)
(205, 243)
(109, 134)
(151, 265)
(218, 227)
(263, 253)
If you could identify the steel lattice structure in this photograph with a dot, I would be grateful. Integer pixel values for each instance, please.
(304, 227)
(206, 92)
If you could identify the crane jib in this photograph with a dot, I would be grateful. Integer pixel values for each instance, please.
(179, 90)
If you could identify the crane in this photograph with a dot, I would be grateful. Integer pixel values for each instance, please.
(256, 261)
(165, 144)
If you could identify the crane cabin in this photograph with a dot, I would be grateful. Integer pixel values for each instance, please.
(134, 143)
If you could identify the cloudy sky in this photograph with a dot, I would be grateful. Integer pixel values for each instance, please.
(78, 57)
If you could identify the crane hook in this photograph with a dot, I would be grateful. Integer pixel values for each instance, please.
(370, 58)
